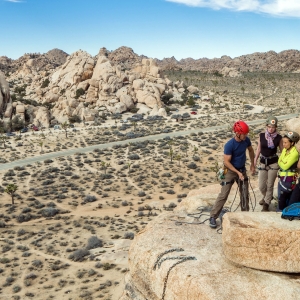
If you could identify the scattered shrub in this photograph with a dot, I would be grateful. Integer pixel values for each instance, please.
(94, 242)
(90, 198)
(129, 235)
(79, 255)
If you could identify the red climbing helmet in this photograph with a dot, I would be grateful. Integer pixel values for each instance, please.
(240, 127)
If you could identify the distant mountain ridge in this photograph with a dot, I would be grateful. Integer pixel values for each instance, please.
(285, 61)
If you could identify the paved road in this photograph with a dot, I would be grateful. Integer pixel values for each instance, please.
(52, 155)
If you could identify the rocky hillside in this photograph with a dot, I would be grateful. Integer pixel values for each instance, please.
(285, 61)
(46, 61)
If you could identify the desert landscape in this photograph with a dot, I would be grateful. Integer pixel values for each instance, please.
(121, 140)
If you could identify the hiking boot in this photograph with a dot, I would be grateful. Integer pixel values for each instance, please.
(265, 207)
(261, 202)
(212, 222)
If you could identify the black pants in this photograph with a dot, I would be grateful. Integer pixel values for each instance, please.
(295, 197)
(284, 193)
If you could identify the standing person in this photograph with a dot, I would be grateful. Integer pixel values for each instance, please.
(288, 168)
(268, 142)
(235, 170)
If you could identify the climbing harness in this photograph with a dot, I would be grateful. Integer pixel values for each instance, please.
(181, 259)
(267, 158)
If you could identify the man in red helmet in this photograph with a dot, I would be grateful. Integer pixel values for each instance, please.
(234, 170)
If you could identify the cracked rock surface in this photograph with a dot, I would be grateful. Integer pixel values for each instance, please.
(262, 241)
(210, 276)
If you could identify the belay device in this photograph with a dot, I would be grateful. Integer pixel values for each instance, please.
(291, 212)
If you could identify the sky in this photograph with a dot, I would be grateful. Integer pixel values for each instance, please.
(155, 28)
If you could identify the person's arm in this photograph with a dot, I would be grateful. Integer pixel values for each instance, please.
(286, 164)
(257, 153)
(298, 165)
(251, 155)
(228, 165)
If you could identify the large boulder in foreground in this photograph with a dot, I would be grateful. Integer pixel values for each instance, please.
(209, 276)
(262, 241)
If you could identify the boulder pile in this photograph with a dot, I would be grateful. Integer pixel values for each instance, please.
(85, 87)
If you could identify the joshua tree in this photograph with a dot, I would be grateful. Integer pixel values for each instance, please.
(65, 126)
(105, 166)
(11, 189)
(129, 165)
(134, 125)
(178, 157)
(171, 154)
(186, 148)
(195, 151)
(170, 143)
(243, 90)
(3, 139)
(41, 144)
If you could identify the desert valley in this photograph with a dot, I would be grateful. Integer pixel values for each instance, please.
(121, 140)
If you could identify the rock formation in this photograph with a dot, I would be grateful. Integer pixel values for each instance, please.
(170, 260)
(285, 61)
(262, 241)
(5, 100)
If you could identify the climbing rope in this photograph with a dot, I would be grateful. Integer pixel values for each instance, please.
(196, 216)
(159, 261)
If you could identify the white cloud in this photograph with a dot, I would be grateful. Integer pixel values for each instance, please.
(288, 8)
(14, 1)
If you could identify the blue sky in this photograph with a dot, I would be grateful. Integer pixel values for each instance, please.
(155, 28)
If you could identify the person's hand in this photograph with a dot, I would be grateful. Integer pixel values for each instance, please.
(241, 176)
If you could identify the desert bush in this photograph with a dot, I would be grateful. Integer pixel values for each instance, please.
(16, 289)
(90, 198)
(30, 276)
(170, 192)
(79, 92)
(129, 235)
(22, 248)
(172, 205)
(24, 218)
(141, 194)
(91, 272)
(98, 265)
(133, 156)
(94, 242)
(108, 266)
(192, 165)
(74, 119)
(49, 212)
(79, 255)
(45, 83)
(2, 224)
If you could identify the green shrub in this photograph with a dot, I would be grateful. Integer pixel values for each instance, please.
(79, 92)
(74, 119)
(45, 83)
